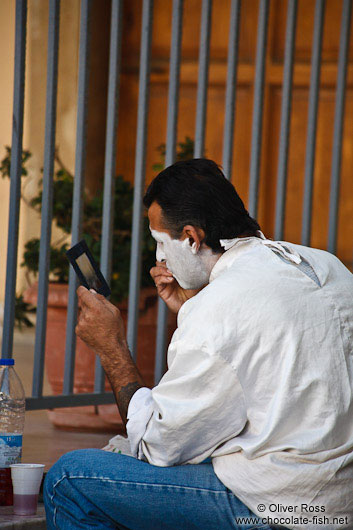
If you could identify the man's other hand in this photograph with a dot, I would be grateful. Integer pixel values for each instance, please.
(99, 323)
(168, 288)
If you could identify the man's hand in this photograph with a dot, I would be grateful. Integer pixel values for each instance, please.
(99, 324)
(169, 289)
(101, 327)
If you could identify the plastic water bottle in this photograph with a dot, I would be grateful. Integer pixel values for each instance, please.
(12, 418)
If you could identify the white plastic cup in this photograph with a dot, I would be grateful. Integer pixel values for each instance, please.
(26, 481)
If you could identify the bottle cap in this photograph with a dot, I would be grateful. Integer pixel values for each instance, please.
(7, 362)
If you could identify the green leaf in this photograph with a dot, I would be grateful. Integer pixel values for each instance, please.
(21, 310)
(5, 163)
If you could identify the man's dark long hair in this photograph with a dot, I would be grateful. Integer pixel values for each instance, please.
(196, 192)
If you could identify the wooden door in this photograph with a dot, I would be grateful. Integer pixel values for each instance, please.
(244, 105)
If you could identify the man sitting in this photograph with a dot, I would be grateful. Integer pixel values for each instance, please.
(260, 379)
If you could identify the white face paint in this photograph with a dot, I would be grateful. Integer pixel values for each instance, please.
(191, 267)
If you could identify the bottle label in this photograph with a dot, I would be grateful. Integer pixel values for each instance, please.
(10, 449)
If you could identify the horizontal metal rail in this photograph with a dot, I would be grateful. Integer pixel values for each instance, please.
(74, 400)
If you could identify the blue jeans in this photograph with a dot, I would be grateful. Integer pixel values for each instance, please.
(91, 488)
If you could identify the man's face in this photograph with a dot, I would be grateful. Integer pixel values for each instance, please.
(190, 264)
(158, 230)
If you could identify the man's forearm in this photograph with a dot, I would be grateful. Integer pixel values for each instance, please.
(123, 376)
(101, 327)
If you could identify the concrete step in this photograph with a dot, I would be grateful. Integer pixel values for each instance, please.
(9, 521)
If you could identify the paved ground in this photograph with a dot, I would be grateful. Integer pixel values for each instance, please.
(9, 521)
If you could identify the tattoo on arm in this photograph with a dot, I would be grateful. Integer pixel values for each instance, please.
(123, 398)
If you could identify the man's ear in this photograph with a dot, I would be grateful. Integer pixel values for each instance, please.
(194, 234)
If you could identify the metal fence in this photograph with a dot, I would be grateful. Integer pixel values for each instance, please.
(99, 396)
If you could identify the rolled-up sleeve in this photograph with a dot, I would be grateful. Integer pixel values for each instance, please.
(139, 413)
(197, 406)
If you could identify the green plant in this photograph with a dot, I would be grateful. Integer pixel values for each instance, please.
(6, 163)
(184, 151)
(92, 213)
(91, 225)
(22, 309)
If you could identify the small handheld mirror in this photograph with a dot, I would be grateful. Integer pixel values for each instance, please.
(87, 269)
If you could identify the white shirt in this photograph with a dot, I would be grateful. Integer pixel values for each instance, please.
(260, 378)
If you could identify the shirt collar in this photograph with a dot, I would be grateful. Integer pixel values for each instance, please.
(236, 246)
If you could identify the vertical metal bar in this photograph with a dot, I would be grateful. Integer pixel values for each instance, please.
(228, 136)
(47, 197)
(140, 162)
(312, 120)
(172, 122)
(338, 124)
(15, 177)
(110, 158)
(174, 76)
(77, 205)
(203, 78)
(285, 117)
(256, 135)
